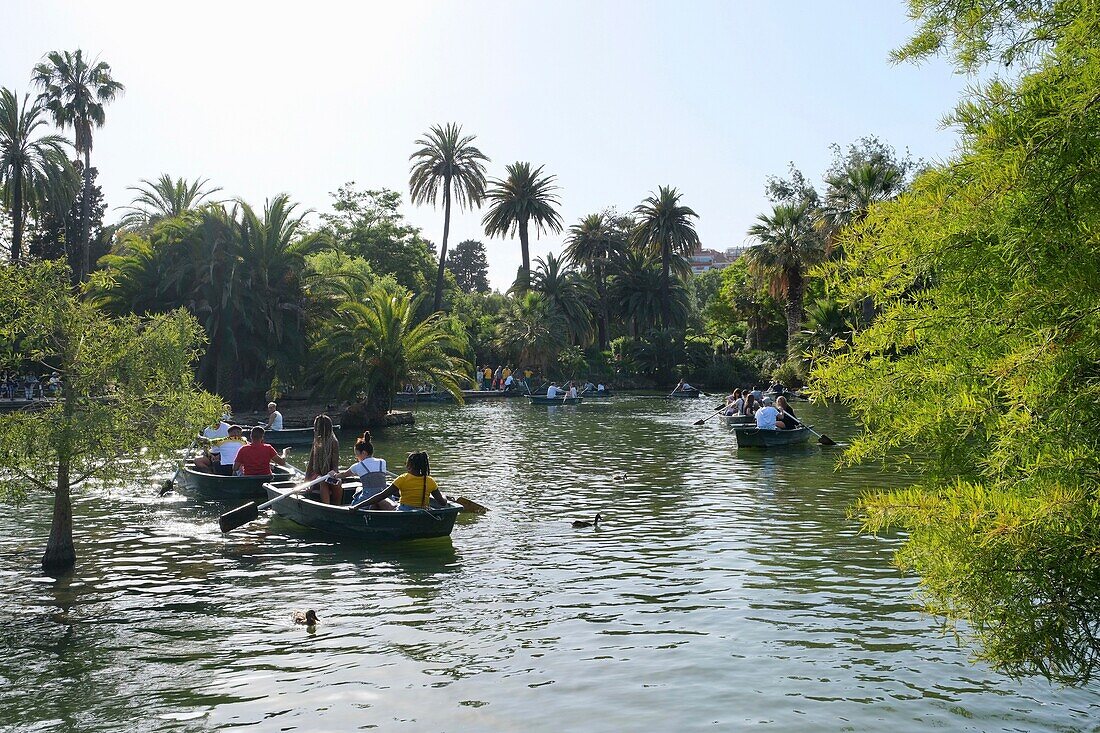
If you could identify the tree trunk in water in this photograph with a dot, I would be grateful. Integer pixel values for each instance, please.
(443, 249)
(85, 245)
(60, 553)
(665, 266)
(525, 275)
(793, 308)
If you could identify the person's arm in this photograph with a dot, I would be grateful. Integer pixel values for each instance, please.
(280, 458)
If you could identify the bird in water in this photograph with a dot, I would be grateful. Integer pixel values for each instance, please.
(620, 476)
(585, 523)
(309, 618)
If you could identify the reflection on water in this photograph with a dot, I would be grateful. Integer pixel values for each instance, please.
(724, 589)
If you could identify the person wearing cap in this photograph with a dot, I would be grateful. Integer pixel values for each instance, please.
(767, 417)
(274, 417)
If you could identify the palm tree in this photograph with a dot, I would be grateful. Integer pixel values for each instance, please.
(567, 293)
(666, 228)
(533, 332)
(850, 194)
(30, 164)
(636, 288)
(787, 246)
(374, 345)
(447, 160)
(525, 196)
(164, 199)
(591, 244)
(75, 94)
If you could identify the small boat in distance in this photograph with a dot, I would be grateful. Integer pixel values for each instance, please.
(346, 522)
(544, 400)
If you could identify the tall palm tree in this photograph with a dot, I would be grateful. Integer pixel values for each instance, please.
(568, 294)
(374, 345)
(591, 244)
(29, 163)
(666, 228)
(526, 195)
(164, 199)
(447, 161)
(75, 93)
(788, 244)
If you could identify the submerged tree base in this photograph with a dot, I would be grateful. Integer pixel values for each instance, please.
(358, 415)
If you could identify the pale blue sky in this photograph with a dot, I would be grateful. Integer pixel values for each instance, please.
(615, 98)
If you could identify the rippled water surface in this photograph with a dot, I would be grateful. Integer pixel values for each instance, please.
(725, 590)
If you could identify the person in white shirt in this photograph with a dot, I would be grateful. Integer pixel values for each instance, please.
(213, 436)
(509, 381)
(371, 473)
(572, 394)
(228, 450)
(767, 416)
(274, 418)
(601, 387)
(552, 391)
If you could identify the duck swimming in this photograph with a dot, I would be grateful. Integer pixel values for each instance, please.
(584, 523)
(309, 618)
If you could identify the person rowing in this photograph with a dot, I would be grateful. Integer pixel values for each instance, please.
(735, 404)
(572, 393)
(553, 390)
(767, 417)
(255, 459)
(683, 386)
(274, 417)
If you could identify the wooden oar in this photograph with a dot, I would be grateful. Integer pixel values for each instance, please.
(708, 417)
(822, 439)
(469, 505)
(247, 512)
(171, 483)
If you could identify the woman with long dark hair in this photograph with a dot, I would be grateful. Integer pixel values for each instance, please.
(324, 457)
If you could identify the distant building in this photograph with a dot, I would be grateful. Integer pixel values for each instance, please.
(711, 259)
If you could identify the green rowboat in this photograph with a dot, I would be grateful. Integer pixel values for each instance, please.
(753, 437)
(229, 488)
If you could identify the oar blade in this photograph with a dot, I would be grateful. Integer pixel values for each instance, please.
(238, 517)
(824, 439)
(469, 505)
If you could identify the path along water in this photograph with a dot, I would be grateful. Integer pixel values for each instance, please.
(725, 590)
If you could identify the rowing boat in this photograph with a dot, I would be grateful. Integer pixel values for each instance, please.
(606, 394)
(352, 523)
(229, 488)
(753, 437)
(544, 400)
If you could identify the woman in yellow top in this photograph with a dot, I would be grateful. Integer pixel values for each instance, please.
(415, 488)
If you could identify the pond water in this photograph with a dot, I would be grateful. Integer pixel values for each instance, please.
(724, 590)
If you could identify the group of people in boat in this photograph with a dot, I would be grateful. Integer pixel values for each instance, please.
(227, 453)
(770, 413)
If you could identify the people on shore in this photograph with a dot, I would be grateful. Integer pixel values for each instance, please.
(274, 417)
(486, 377)
(255, 459)
(324, 458)
(414, 489)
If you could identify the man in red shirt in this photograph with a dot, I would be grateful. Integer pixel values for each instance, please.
(255, 459)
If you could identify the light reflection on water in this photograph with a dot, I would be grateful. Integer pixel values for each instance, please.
(724, 589)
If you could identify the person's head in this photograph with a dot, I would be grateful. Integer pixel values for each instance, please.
(737, 393)
(417, 463)
(781, 403)
(364, 447)
(235, 432)
(271, 407)
(322, 428)
(769, 402)
(257, 435)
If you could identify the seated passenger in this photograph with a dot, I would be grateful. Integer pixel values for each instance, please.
(212, 436)
(370, 471)
(415, 488)
(734, 404)
(572, 393)
(767, 417)
(786, 413)
(324, 458)
(228, 450)
(255, 459)
(274, 417)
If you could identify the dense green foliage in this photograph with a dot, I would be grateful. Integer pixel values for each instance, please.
(129, 394)
(470, 267)
(981, 364)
